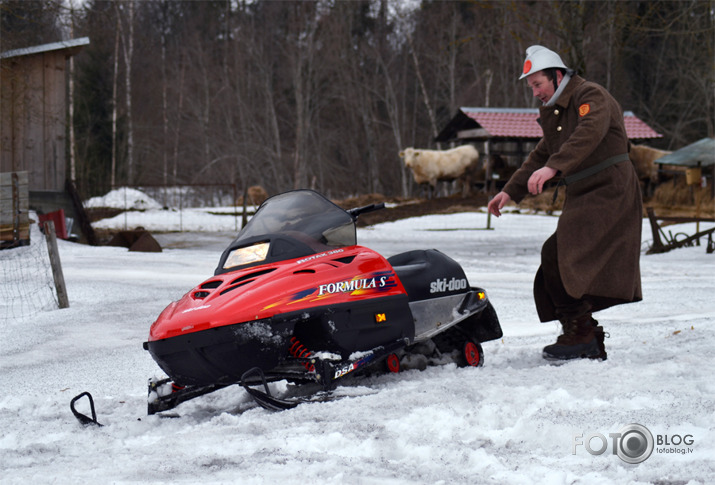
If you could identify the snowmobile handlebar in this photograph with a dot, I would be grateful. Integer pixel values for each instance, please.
(357, 211)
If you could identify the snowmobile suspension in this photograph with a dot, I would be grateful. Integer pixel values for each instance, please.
(298, 350)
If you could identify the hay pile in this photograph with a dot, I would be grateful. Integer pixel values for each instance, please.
(544, 202)
(675, 197)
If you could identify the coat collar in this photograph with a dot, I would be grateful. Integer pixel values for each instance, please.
(565, 97)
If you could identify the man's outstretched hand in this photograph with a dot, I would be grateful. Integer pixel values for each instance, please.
(498, 202)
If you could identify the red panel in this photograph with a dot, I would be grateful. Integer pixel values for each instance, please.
(58, 217)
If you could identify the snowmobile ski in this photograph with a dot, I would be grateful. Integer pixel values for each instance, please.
(325, 374)
(264, 398)
(164, 394)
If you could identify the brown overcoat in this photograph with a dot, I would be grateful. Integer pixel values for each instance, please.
(599, 230)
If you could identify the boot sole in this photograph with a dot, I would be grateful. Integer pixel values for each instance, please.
(587, 353)
(561, 360)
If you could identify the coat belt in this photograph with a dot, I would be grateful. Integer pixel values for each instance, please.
(590, 171)
(595, 169)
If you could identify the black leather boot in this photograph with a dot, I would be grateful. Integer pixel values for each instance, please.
(580, 339)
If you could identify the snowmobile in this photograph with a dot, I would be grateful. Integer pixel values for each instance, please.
(295, 298)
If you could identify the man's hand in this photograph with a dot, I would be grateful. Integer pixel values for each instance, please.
(538, 178)
(500, 200)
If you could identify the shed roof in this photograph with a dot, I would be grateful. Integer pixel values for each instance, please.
(65, 44)
(484, 123)
(702, 153)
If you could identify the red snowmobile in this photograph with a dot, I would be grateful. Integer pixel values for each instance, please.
(295, 298)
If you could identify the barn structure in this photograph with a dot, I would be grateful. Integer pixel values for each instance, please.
(697, 158)
(511, 133)
(33, 122)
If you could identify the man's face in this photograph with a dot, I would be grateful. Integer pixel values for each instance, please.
(541, 86)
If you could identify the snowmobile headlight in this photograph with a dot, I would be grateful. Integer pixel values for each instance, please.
(249, 254)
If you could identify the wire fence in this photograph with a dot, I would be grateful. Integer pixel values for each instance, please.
(192, 195)
(26, 282)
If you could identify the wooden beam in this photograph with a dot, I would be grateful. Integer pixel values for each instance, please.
(57, 274)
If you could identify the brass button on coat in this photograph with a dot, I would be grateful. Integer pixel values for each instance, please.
(558, 128)
(556, 112)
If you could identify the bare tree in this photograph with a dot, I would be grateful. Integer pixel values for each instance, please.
(302, 61)
(115, 77)
(324, 94)
(128, 52)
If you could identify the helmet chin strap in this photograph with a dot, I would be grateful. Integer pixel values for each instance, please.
(564, 81)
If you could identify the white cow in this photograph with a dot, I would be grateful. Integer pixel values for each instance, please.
(432, 166)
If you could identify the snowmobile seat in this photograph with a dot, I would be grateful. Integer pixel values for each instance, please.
(423, 270)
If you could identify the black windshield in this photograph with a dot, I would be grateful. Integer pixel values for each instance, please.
(302, 212)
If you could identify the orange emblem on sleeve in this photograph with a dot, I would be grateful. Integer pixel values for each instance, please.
(584, 109)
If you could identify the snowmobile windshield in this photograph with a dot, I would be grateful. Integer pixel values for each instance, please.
(301, 214)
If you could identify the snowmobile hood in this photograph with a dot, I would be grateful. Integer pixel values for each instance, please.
(337, 276)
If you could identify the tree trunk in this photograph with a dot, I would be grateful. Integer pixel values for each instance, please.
(128, 49)
(423, 88)
(115, 77)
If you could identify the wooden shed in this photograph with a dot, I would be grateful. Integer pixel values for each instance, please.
(697, 158)
(33, 127)
(512, 133)
(33, 112)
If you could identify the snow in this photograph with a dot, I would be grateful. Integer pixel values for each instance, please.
(517, 420)
(124, 198)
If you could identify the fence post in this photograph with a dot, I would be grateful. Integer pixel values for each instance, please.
(235, 212)
(55, 263)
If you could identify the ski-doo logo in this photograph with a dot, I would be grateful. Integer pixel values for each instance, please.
(353, 285)
(442, 285)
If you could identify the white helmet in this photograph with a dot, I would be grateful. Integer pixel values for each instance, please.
(538, 58)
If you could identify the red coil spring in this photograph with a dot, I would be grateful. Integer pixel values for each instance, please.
(299, 351)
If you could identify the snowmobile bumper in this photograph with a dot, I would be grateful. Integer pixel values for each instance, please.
(219, 356)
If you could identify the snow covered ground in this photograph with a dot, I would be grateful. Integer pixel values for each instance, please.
(517, 420)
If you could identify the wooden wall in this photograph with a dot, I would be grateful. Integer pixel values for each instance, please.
(33, 118)
(14, 207)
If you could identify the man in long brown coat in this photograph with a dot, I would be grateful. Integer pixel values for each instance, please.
(592, 261)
